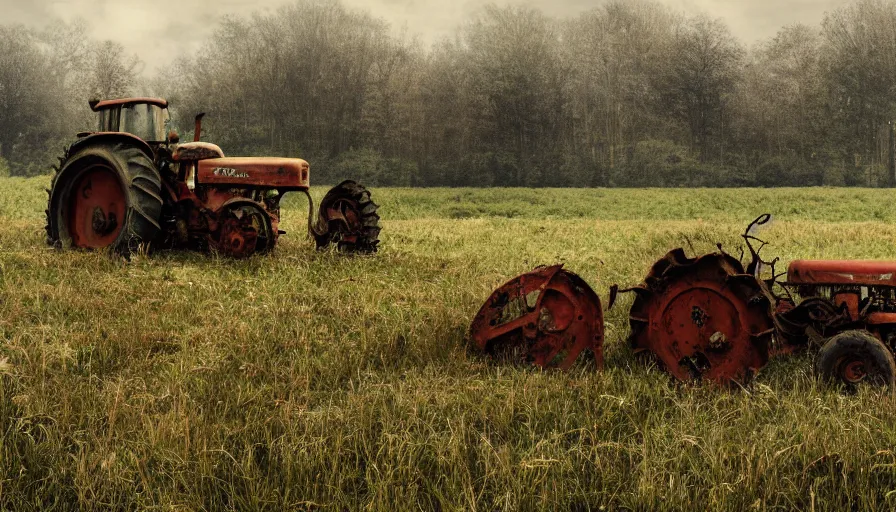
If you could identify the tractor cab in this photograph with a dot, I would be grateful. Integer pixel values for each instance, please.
(146, 118)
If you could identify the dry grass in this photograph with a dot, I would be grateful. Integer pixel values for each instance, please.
(306, 380)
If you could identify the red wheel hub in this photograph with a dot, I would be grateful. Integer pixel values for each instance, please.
(97, 205)
(853, 371)
(242, 230)
(345, 213)
(237, 240)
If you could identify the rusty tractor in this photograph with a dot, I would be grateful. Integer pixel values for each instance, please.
(131, 184)
(709, 318)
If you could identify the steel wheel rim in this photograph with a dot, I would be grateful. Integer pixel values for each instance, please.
(701, 319)
(96, 206)
(345, 212)
(244, 231)
(853, 371)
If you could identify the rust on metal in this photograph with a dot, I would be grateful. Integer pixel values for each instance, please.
(837, 296)
(196, 151)
(97, 205)
(197, 127)
(793, 322)
(832, 272)
(546, 317)
(285, 173)
(96, 106)
(347, 218)
(242, 228)
(854, 371)
(121, 189)
(881, 318)
(702, 318)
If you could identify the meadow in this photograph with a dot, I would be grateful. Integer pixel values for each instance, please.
(306, 380)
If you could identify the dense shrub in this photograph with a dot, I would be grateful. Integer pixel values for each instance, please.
(661, 163)
(370, 167)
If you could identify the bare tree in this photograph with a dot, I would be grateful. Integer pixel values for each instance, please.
(24, 94)
(696, 79)
(860, 71)
(612, 50)
(112, 74)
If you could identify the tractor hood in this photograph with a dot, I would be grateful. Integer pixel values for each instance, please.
(850, 272)
(281, 173)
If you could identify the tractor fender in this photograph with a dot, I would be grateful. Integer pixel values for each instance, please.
(112, 137)
(236, 201)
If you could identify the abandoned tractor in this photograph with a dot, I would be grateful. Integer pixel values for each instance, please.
(131, 184)
(709, 318)
(851, 307)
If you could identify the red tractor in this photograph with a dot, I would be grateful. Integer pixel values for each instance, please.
(131, 183)
(710, 317)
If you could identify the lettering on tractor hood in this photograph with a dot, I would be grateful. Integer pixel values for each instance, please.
(229, 173)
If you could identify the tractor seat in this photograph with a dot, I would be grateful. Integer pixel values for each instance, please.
(855, 272)
(197, 151)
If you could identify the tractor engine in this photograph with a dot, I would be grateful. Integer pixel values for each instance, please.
(863, 287)
(231, 205)
(840, 294)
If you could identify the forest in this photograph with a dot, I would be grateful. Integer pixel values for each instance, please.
(628, 94)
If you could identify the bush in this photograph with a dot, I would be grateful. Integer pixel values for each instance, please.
(787, 171)
(661, 163)
(4, 168)
(370, 167)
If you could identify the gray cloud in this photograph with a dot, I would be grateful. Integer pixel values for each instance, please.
(162, 30)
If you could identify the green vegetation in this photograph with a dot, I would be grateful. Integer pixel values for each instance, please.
(625, 94)
(305, 380)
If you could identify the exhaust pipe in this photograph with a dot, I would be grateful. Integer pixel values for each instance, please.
(198, 131)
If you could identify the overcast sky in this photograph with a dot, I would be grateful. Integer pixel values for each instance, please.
(159, 30)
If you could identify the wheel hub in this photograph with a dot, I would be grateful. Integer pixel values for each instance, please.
(347, 218)
(854, 371)
(243, 230)
(96, 205)
(103, 224)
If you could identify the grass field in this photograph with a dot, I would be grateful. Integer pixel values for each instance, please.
(305, 380)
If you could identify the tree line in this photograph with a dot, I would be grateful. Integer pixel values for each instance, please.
(629, 94)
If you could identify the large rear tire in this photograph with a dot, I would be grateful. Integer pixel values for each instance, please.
(852, 358)
(106, 195)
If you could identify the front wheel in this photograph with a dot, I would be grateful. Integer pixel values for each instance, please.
(243, 229)
(855, 357)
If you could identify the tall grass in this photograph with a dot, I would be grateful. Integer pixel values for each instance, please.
(306, 380)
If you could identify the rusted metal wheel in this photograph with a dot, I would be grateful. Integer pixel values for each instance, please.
(547, 317)
(852, 358)
(104, 196)
(244, 229)
(702, 318)
(348, 218)
(96, 206)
